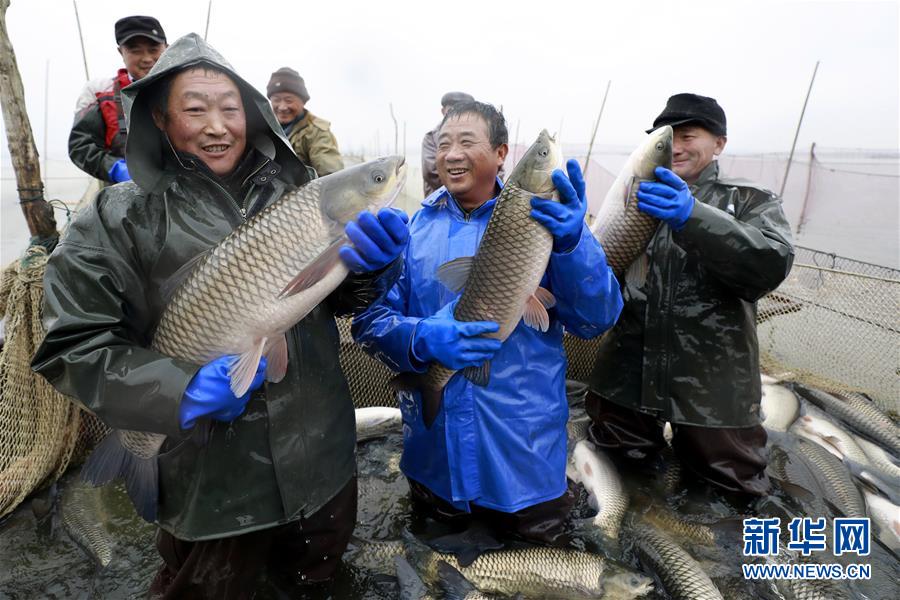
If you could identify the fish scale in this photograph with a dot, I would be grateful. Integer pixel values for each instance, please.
(681, 575)
(234, 297)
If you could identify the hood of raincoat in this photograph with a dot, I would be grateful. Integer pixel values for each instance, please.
(147, 146)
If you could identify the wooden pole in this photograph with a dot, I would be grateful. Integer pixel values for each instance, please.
(801, 221)
(81, 39)
(22, 151)
(208, 13)
(797, 133)
(46, 170)
(394, 119)
(587, 159)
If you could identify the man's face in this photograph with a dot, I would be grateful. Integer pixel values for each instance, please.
(693, 148)
(466, 163)
(206, 118)
(286, 106)
(140, 54)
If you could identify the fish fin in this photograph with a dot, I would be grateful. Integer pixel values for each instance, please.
(545, 297)
(593, 502)
(170, 286)
(432, 399)
(727, 529)
(479, 375)
(453, 274)
(535, 314)
(315, 271)
(105, 463)
(411, 585)
(277, 359)
(467, 545)
(454, 583)
(629, 191)
(792, 489)
(243, 371)
(142, 484)
(636, 274)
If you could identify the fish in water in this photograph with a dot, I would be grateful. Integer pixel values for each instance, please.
(501, 282)
(539, 572)
(622, 229)
(377, 421)
(886, 515)
(859, 413)
(261, 279)
(600, 478)
(411, 585)
(884, 464)
(681, 575)
(779, 407)
(84, 518)
(374, 555)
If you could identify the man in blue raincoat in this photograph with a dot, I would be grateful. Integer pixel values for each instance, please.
(498, 449)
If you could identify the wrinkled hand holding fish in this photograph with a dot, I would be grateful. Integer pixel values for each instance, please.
(257, 298)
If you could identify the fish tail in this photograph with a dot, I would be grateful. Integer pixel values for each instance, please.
(110, 460)
(432, 398)
(454, 583)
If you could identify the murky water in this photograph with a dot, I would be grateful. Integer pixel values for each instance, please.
(39, 559)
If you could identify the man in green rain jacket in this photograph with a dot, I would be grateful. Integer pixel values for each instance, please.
(685, 348)
(274, 490)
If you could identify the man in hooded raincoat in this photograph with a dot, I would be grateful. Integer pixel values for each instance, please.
(500, 449)
(274, 489)
(685, 348)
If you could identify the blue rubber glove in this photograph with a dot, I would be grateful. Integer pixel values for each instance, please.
(119, 171)
(669, 200)
(454, 344)
(377, 241)
(564, 219)
(209, 393)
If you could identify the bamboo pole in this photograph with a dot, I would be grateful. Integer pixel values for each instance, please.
(587, 159)
(22, 151)
(87, 77)
(797, 133)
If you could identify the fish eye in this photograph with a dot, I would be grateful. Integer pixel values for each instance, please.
(544, 152)
(659, 146)
(378, 176)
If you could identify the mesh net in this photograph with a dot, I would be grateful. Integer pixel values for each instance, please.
(39, 428)
(834, 324)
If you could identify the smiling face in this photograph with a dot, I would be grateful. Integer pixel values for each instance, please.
(140, 54)
(693, 148)
(286, 106)
(205, 117)
(466, 162)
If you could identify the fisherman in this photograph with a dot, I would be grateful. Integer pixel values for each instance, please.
(97, 139)
(275, 486)
(310, 135)
(498, 450)
(430, 177)
(685, 348)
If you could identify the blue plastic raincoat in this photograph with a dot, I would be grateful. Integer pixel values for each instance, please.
(502, 446)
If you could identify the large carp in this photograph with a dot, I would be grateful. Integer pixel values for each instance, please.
(501, 282)
(622, 229)
(244, 294)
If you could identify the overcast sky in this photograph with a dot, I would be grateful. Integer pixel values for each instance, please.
(546, 65)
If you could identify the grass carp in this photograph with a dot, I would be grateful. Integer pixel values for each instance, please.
(600, 478)
(244, 294)
(681, 575)
(622, 229)
(377, 421)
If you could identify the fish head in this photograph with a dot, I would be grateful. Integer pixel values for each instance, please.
(656, 151)
(533, 171)
(369, 186)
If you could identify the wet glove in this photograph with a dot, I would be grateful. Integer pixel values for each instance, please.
(454, 344)
(377, 241)
(564, 219)
(119, 171)
(209, 394)
(669, 199)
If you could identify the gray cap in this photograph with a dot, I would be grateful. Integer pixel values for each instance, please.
(451, 98)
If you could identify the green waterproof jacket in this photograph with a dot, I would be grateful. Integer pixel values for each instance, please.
(293, 448)
(685, 346)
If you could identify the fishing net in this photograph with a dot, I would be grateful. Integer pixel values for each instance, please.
(39, 428)
(835, 324)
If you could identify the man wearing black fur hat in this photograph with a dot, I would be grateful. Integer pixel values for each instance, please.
(685, 348)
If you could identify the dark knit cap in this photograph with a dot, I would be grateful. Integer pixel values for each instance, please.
(286, 79)
(451, 98)
(691, 108)
(135, 26)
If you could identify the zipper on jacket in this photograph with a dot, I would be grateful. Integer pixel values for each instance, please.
(234, 203)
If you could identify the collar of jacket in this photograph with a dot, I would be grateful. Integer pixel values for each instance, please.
(299, 122)
(707, 176)
(441, 197)
(254, 167)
